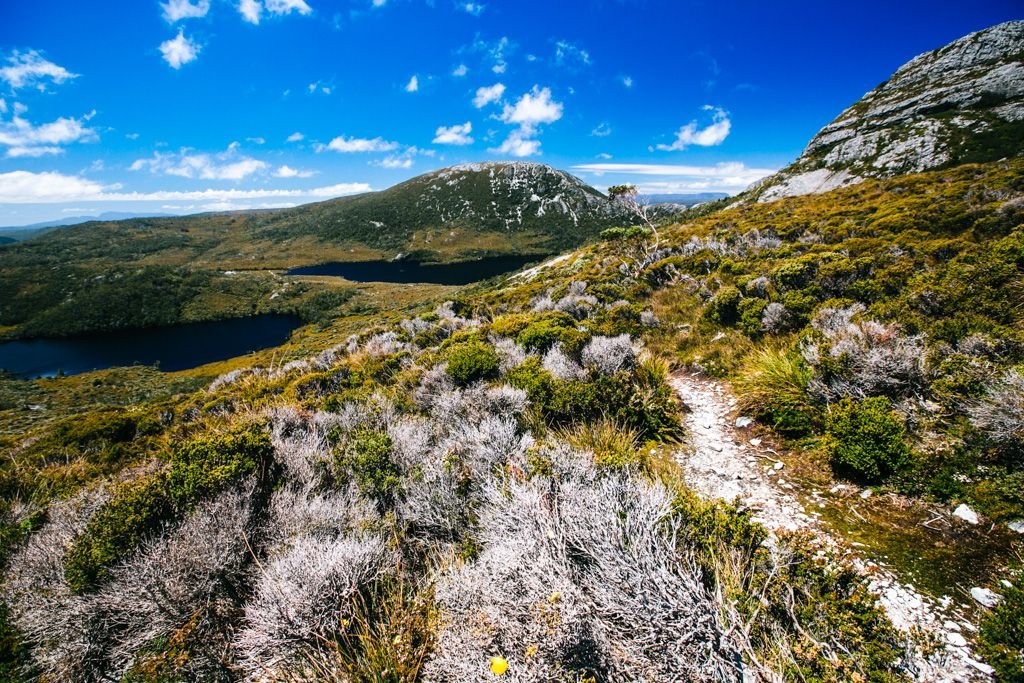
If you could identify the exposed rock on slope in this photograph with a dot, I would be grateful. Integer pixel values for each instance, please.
(961, 103)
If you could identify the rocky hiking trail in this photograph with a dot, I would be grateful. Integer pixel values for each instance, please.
(725, 460)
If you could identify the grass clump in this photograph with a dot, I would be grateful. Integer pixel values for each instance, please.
(772, 385)
(614, 446)
(865, 439)
(368, 456)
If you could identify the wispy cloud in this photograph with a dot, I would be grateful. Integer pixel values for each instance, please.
(691, 134)
(460, 71)
(25, 187)
(413, 85)
(252, 10)
(602, 130)
(295, 137)
(179, 50)
(495, 52)
(353, 145)
(627, 81)
(474, 8)
(488, 94)
(31, 69)
(568, 54)
(176, 10)
(723, 177)
(454, 135)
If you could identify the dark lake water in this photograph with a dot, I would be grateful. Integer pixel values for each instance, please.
(408, 272)
(172, 348)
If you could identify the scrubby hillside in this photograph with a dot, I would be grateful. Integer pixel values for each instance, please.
(496, 478)
(961, 103)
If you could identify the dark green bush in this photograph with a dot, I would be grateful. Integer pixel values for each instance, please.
(724, 307)
(367, 455)
(750, 310)
(1001, 640)
(472, 361)
(139, 509)
(866, 440)
(544, 331)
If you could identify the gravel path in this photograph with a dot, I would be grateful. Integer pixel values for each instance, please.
(723, 461)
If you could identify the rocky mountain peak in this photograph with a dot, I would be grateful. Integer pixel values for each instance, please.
(960, 103)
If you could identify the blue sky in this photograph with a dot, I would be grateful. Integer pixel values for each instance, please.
(194, 105)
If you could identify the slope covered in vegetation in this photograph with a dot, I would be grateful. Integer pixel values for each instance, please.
(492, 478)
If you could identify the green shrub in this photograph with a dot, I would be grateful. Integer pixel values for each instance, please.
(866, 440)
(136, 511)
(750, 310)
(1001, 639)
(368, 456)
(545, 330)
(472, 361)
(140, 508)
(724, 307)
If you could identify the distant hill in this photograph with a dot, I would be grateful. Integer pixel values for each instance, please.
(522, 203)
(686, 199)
(7, 240)
(22, 232)
(958, 104)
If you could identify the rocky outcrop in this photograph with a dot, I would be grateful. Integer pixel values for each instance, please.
(961, 103)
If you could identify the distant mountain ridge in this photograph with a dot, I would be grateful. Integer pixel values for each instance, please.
(21, 232)
(961, 103)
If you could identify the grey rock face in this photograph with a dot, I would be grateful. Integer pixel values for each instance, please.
(961, 103)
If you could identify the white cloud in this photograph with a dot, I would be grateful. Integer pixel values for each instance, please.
(723, 177)
(713, 134)
(529, 111)
(379, 3)
(394, 161)
(34, 152)
(176, 10)
(250, 10)
(533, 108)
(179, 50)
(602, 130)
(257, 140)
(25, 187)
(296, 137)
(604, 155)
(132, 136)
(488, 94)
(518, 144)
(29, 68)
(568, 54)
(287, 6)
(3, 106)
(454, 135)
(474, 8)
(22, 136)
(627, 81)
(289, 172)
(185, 164)
(316, 87)
(348, 145)
(413, 85)
(459, 71)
